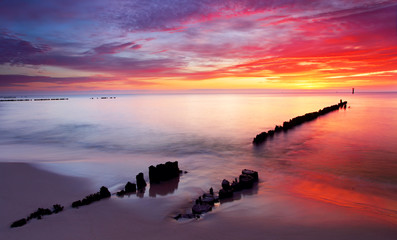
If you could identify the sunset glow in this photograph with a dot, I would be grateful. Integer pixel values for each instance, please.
(58, 46)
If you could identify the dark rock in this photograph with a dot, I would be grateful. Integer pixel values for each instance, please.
(121, 193)
(251, 173)
(246, 181)
(201, 208)
(140, 181)
(225, 184)
(164, 172)
(260, 138)
(77, 204)
(235, 185)
(130, 187)
(278, 129)
(39, 213)
(287, 126)
(19, 223)
(104, 192)
(209, 199)
(225, 193)
(211, 191)
(57, 208)
(154, 174)
(270, 133)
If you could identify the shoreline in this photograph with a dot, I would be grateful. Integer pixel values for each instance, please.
(268, 214)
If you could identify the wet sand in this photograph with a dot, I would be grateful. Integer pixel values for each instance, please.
(265, 214)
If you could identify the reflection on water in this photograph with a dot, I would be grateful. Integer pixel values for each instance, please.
(346, 158)
(164, 188)
(329, 189)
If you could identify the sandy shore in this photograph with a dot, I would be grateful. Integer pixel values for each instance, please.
(264, 215)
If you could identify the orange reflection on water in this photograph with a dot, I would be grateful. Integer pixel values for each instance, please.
(368, 200)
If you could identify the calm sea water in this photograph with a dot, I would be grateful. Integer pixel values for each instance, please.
(347, 158)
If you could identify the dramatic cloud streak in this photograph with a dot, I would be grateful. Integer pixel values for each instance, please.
(186, 44)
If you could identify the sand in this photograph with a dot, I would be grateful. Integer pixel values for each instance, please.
(24, 188)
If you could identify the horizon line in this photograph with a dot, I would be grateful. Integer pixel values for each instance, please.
(190, 91)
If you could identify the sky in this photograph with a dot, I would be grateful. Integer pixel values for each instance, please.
(181, 45)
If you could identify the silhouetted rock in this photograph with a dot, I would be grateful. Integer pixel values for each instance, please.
(19, 223)
(287, 126)
(57, 208)
(77, 204)
(39, 213)
(225, 193)
(153, 174)
(209, 199)
(270, 133)
(104, 192)
(225, 184)
(278, 129)
(251, 173)
(130, 187)
(260, 138)
(201, 208)
(140, 181)
(235, 185)
(121, 193)
(163, 172)
(246, 181)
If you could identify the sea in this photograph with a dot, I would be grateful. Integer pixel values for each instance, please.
(347, 158)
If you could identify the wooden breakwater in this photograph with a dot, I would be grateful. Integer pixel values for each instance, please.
(103, 98)
(158, 175)
(32, 99)
(263, 136)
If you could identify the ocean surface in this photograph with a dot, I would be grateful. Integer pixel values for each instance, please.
(346, 158)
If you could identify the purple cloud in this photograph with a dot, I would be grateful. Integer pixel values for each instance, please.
(135, 15)
(17, 51)
(111, 48)
(20, 80)
(10, 80)
(13, 50)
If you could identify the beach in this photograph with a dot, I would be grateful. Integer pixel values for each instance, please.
(279, 217)
(331, 178)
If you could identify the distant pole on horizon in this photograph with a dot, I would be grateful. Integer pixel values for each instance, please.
(352, 90)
